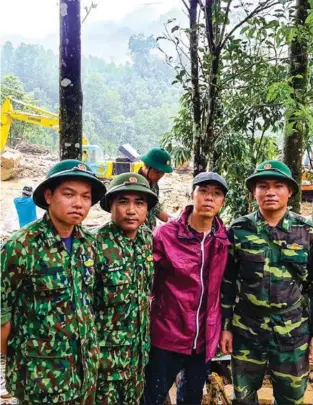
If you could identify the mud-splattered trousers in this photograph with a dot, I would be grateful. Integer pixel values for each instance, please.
(123, 286)
(46, 294)
(265, 306)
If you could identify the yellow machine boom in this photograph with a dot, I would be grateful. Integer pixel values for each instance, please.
(92, 154)
(44, 119)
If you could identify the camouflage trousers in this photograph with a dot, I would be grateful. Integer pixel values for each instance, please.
(120, 392)
(89, 399)
(75, 402)
(274, 352)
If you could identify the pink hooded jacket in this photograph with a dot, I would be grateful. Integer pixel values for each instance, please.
(189, 267)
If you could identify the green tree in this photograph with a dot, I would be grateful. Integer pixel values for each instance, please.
(294, 142)
(11, 86)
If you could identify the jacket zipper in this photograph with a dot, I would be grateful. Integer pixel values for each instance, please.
(202, 292)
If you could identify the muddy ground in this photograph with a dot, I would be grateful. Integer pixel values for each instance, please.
(174, 194)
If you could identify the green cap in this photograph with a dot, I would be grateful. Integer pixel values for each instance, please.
(69, 170)
(272, 169)
(128, 182)
(158, 159)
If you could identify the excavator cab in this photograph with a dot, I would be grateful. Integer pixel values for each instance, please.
(93, 155)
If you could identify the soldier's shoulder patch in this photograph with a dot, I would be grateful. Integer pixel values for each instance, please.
(295, 246)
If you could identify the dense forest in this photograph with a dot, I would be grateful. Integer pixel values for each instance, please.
(132, 102)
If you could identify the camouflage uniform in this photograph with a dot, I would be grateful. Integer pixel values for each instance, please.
(122, 313)
(269, 319)
(46, 294)
(155, 211)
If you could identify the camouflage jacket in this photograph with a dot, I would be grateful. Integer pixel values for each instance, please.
(155, 211)
(267, 266)
(46, 294)
(122, 301)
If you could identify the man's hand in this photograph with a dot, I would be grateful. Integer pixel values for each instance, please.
(163, 216)
(226, 342)
(311, 351)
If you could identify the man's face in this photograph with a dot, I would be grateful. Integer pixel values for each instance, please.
(70, 202)
(154, 175)
(129, 212)
(208, 199)
(272, 195)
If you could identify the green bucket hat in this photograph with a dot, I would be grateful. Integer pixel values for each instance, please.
(69, 170)
(158, 159)
(272, 169)
(127, 182)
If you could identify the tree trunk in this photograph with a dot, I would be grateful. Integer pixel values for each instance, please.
(294, 144)
(70, 93)
(212, 31)
(199, 161)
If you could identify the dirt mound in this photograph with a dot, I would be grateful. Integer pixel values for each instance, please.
(32, 149)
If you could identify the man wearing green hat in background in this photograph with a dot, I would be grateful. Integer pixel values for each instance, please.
(157, 162)
(122, 290)
(48, 333)
(265, 317)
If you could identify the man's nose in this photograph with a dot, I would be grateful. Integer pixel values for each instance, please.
(270, 190)
(131, 208)
(209, 196)
(78, 201)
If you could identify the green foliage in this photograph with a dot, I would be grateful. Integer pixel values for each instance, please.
(178, 141)
(12, 86)
(133, 102)
(253, 94)
(237, 158)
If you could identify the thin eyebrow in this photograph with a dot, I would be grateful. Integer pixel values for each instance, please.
(72, 190)
(68, 189)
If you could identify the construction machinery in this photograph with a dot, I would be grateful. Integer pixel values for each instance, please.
(92, 154)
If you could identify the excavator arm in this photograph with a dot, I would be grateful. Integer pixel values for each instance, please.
(43, 118)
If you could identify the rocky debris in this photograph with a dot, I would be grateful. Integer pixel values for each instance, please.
(175, 191)
(11, 164)
(33, 149)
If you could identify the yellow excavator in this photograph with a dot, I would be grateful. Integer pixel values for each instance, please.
(92, 154)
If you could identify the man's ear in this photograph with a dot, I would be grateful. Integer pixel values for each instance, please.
(290, 191)
(48, 195)
(253, 190)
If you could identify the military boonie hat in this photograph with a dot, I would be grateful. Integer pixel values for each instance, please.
(69, 169)
(128, 182)
(272, 169)
(158, 159)
(27, 190)
(209, 177)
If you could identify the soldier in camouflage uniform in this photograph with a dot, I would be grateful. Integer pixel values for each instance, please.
(265, 316)
(48, 331)
(157, 162)
(122, 290)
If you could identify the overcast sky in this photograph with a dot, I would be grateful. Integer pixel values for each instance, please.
(38, 18)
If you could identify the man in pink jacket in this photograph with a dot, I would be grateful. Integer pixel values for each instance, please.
(190, 255)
